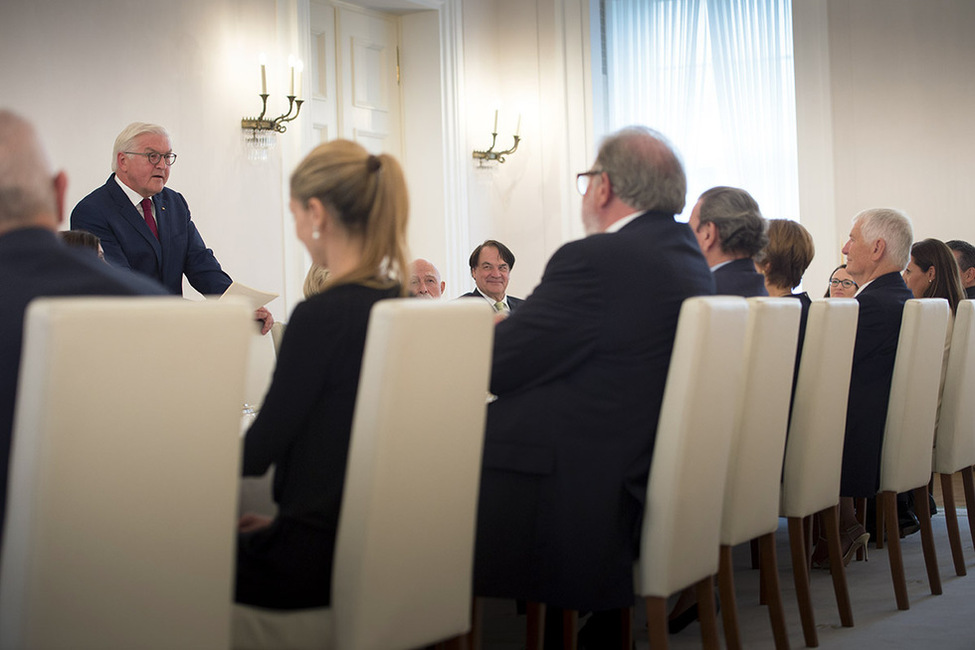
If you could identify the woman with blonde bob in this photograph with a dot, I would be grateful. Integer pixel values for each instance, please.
(350, 211)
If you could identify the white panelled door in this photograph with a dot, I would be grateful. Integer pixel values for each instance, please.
(355, 77)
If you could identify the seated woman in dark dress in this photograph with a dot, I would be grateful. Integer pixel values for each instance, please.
(350, 212)
(784, 259)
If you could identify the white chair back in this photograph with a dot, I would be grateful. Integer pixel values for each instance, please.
(405, 546)
(682, 520)
(123, 474)
(955, 448)
(909, 434)
(814, 449)
(751, 496)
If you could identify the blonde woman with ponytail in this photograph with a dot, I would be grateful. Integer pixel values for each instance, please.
(350, 211)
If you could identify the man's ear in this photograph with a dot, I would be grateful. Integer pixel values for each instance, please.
(879, 248)
(968, 276)
(60, 191)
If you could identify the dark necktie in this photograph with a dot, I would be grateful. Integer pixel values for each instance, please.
(147, 213)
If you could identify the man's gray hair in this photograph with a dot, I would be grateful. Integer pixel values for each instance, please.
(126, 139)
(644, 170)
(894, 227)
(741, 228)
(26, 177)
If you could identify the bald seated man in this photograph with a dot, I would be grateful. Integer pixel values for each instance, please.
(34, 262)
(425, 280)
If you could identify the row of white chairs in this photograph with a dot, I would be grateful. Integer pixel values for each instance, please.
(117, 537)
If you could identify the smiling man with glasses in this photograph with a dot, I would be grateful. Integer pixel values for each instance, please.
(145, 226)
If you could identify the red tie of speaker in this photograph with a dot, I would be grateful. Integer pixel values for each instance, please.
(147, 212)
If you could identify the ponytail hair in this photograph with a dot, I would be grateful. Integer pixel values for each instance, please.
(368, 196)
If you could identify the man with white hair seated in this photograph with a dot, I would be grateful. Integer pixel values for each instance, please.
(877, 252)
(425, 279)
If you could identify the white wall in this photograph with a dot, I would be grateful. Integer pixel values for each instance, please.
(81, 71)
(519, 56)
(899, 129)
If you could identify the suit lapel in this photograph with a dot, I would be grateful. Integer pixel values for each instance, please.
(132, 217)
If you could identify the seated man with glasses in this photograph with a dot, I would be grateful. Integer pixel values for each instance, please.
(146, 227)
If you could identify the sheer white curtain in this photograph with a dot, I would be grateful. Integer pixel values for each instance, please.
(716, 77)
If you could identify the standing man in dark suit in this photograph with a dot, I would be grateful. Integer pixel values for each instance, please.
(877, 252)
(730, 230)
(965, 256)
(491, 262)
(145, 226)
(579, 372)
(33, 262)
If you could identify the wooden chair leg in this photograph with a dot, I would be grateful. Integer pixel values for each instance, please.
(770, 573)
(887, 502)
(706, 613)
(657, 622)
(626, 621)
(535, 633)
(951, 521)
(800, 573)
(570, 618)
(729, 609)
(810, 533)
(753, 545)
(969, 483)
(831, 516)
(477, 624)
(860, 507)
(923, 508)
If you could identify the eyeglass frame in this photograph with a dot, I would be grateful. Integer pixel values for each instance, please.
(582, 189)
(159, 156)
(835, 283)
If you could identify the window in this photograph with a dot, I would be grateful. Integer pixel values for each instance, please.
(716, 77)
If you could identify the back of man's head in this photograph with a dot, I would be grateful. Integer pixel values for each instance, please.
(644, 170)
(964, 253)
(742, 231)
(894, 227)
(27, 191)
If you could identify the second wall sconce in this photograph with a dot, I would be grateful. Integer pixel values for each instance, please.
(484, 158)
(259, 132)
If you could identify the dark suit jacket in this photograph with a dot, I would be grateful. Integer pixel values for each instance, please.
(579, 371)
(303, 429)
(878, 329)
(34, 263)
(513, 303)
(739, 278)
(128, 242)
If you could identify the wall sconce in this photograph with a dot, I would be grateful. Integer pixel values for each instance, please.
(491, 155)
(259, 132)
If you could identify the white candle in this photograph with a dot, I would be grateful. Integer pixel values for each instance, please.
(291, 64)
(518, 127)
(263, 61)
(495, 121)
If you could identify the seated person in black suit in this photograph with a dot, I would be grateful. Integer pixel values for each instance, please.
(965, 256)
(350, 212)
(34, 263)
(491, 262)
(579, 370)
(730, 230)
(878, 250)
